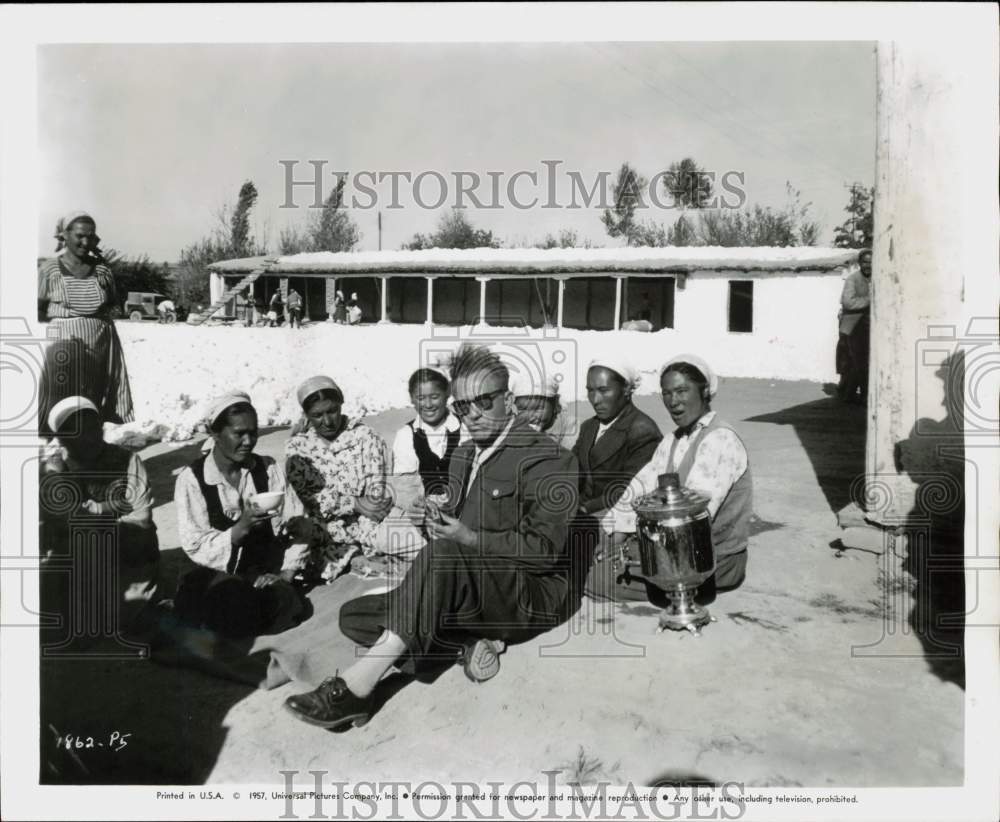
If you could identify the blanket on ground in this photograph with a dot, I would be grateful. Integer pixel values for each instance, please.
(307, 653)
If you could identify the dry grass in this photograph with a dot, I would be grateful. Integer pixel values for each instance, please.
(584, 769)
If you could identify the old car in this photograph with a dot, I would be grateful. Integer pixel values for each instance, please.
(142, 305)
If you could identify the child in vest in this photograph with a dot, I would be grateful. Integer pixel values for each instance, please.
(421, 453)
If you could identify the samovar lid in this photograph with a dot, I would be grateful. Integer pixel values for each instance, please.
(670, 499)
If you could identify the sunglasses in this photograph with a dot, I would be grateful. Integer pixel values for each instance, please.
(484, 402)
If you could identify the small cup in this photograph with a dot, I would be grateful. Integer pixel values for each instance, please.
(268, 502)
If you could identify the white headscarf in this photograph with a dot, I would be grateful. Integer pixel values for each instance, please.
(700, 364)
(220, 404)
(623, 369)
(64, 409)
(522, 385)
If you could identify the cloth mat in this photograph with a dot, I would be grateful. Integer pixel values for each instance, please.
(307, 653)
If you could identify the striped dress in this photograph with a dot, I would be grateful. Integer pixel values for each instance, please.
(84, 357)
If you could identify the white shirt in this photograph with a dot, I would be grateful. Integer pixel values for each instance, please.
(210, 547)
(720, 461)
(483, 454)
(404, 457)
(604, 426)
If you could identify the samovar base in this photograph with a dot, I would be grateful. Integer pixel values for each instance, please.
(683, 613)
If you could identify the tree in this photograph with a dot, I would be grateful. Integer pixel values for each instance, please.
(291, 240)
(857, 230)
(568, 238)
(760, 225)
(332, 229)
(688, 184)
(682, 233)
(620, 220)
(243, 245)
(648, 233)
(454, 231)
(229, 239)
(137, 274)
(192, 275)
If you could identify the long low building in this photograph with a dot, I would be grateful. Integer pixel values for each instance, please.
(776, 293)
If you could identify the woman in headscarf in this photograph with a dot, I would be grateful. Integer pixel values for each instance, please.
(76, 294)
(94, 494)
(337, 467)
(709, 458)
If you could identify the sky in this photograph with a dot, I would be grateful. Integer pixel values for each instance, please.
(154, 140)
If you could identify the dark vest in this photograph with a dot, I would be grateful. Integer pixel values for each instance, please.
(259, 553)
(731, 525)
(433, 469)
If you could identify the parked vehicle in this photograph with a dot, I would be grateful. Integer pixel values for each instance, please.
(141, 305)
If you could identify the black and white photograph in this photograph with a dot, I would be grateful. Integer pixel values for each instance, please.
(557, 411)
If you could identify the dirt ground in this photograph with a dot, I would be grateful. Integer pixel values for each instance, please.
(812, 676)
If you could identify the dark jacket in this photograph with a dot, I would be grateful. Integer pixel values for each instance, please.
(520, 504)
(607, 466)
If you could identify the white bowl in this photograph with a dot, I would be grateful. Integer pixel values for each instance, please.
(269, 500)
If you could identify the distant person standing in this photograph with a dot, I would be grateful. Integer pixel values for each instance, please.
(276, 310)
(855, 304)
(339, 308)
(354, 313)
(76, 295)
(294, 303)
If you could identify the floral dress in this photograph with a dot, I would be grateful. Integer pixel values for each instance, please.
(328, 477)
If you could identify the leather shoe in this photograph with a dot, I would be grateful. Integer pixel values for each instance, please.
(331, 705)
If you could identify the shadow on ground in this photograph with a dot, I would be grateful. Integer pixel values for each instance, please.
(833, 436)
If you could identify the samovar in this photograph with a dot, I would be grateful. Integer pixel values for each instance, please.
(675, 549)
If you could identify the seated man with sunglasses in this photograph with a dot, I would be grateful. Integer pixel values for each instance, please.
(495, 569)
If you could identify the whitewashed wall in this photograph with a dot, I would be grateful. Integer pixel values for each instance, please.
(794, 316)
(176, 369)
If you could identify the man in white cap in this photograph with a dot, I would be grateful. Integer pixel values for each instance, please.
(246, 564)
(710, 458)
(617, 441)
(536, 400)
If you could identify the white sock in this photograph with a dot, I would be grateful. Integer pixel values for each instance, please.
(362, 677)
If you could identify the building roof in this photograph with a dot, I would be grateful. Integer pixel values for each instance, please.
(537, 261)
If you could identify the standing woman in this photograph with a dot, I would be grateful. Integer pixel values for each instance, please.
(337, 467)
(76, 292)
